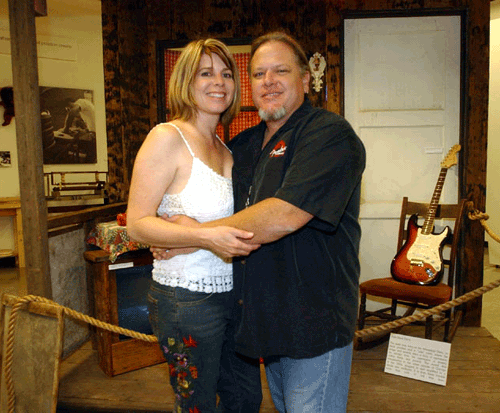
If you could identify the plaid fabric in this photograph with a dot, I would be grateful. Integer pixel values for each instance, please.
(246, 91)
(243, 121)
(171, 57)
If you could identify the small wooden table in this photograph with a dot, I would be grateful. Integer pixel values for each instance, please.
(116, 356)
(12, 207)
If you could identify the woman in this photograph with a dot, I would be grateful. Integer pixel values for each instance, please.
(183, 168)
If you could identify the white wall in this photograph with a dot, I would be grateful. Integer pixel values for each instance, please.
(85, 30)
(493, 167)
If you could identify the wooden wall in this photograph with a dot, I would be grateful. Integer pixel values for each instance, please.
(131, 28)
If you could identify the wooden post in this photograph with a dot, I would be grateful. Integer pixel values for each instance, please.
(37, 348)
(29, 146)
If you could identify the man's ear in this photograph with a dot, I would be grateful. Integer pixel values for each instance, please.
(306, 81)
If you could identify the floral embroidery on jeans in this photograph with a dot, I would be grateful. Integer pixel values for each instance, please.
(180, 365)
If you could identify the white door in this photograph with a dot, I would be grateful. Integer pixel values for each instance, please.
(402, 89)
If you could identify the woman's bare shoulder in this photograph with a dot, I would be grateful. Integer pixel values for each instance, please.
(163, 137)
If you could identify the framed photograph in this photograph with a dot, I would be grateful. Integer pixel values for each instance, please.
(167, 53)
(68, 125)
(5, 160)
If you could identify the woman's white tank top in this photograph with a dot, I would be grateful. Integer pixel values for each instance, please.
(207, 196)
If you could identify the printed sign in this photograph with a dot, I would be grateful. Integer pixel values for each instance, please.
(418, 358)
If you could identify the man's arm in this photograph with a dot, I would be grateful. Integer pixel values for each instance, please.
(269, 220)
(72, 114)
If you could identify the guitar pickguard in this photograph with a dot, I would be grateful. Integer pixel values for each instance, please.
(425, 250)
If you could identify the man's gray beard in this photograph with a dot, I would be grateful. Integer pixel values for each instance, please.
(276, 115)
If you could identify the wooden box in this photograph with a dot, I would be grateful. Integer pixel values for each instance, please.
(116, 356)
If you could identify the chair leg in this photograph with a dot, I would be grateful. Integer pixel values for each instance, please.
(362, 312)
(457, 318)
(447, 314)
(394, 306)
(428, 327)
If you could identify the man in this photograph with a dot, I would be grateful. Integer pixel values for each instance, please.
(82, 108)
(296, 180)
(80, 124)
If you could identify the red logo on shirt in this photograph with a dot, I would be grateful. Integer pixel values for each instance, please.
(278, 150)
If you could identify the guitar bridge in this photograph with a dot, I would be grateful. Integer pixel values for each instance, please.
(416, 263)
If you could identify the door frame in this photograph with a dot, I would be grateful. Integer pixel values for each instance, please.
(472, 238)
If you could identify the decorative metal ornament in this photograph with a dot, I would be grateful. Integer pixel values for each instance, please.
(317, 64)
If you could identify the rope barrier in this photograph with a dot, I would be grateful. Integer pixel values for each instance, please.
(474, 215)
(426, 313)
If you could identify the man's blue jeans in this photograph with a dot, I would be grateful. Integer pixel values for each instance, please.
(240, 389)
(316, 385)
(192, 329)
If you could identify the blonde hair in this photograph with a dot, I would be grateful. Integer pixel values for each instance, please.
(180, 92)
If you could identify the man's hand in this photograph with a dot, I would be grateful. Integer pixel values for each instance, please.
(229, 242)
(226, 242)
(163, 254)
(166, 254)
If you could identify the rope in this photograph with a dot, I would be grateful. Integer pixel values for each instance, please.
(22, 301)
(476, 215)
(426, 313)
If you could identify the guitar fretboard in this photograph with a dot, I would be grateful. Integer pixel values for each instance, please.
(431, 212)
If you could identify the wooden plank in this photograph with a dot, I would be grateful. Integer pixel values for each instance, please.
(29, 143)
(147, 389)
(408, 402)
(134, 354)
(12, 202)
(101, 212)
(38, 338)
(473, 383)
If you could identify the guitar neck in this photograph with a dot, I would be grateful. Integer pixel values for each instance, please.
(431, 212)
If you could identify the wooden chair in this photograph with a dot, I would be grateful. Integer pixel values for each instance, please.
(420, 296)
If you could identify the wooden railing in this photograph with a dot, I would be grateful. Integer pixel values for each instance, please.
(69, 221)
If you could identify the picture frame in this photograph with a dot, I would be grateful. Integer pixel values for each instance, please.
(68, 125)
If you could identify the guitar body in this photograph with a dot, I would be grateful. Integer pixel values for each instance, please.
(420, 260)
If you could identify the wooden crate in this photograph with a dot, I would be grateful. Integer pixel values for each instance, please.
(116, 356)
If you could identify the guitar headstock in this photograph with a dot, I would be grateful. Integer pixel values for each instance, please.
(451, 158)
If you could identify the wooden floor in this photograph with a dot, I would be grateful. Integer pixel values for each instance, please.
(473, 383)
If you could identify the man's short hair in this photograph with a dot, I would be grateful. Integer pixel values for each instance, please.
(286, 39)
(181, 102)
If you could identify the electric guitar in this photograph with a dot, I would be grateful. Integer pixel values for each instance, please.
(420, 259)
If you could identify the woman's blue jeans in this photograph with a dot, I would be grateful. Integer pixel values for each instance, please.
(192, 330)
